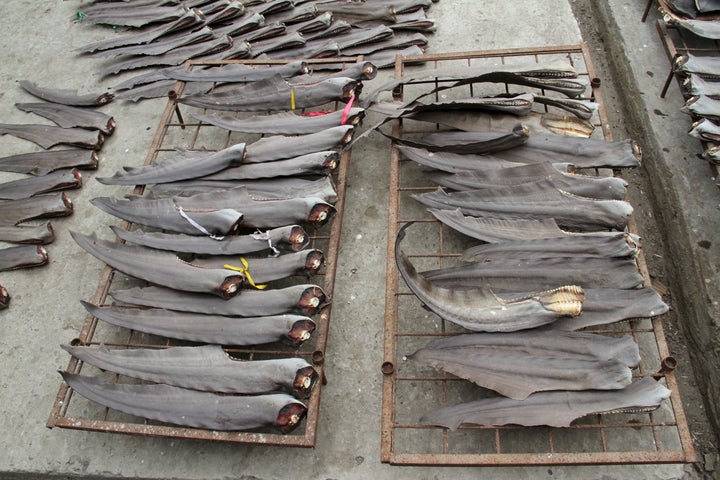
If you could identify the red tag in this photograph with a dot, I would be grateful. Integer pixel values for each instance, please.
(316, 113)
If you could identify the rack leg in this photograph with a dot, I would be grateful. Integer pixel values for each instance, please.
(647, 11)
(667, 84)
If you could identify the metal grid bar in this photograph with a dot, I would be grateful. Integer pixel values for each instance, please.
(678, 41)
(662, 436)
(75, 412)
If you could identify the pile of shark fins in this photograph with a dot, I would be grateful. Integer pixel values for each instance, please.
(37, 193)
(156, 38)
(199, 387)
(698, 71)
(528, 283)
(700, 75)
(220, 241)
(553, 256)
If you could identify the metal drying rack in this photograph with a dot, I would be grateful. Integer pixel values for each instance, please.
(410, 390)
(75, 412)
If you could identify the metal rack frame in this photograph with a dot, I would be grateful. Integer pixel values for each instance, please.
(66, 414)
(589, 441)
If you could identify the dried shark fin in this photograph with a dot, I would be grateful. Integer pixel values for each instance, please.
(160, 46)
(238, 73)
(263, 270)
(69, 117)
(162, 268)
(291, 237)
(42, 163)
(558, 77)
(276, 94)
(165, 214)
(174, 57)
(555, 409)
(207, 368)
(190, 19)
(601, 188)
(180, 406)
(531, 274)
(31, 186)
(66, 97)
(13, 212)
(203, 327)
(160, 89)
(37, 235)
(49, 136)
(702, 106)
(137, 17)
(182, 167)
(453, 162)
(702, 28)
(521, 363)
(284, 123)
(602, 245)
(494, 230)
(580, 108)
(705, 65)
(493, 142)
(479, 309)
(305, 299)
(281, 185)
(536, 200)
(22, 256)
(705, 130)
(278, 147)
(518, 105)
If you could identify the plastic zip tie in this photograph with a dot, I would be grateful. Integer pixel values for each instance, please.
(197, 226)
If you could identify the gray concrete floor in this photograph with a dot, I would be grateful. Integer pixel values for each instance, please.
(37, 44)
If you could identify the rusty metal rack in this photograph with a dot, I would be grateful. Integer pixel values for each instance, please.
(409, 390)
(678, 41)
(175, 131)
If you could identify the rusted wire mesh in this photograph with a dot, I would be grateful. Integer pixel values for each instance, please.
(409, 390)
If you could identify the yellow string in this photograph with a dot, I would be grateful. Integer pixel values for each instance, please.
(292, 99)
(245, 270)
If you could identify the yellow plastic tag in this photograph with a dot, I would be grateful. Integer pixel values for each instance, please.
(245, 270)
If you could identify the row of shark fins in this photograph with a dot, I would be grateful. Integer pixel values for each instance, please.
(554, 257)
(700, 73)
(221, 236)
(701, 82)
(37, 194)
(164, 34)
(697, 16)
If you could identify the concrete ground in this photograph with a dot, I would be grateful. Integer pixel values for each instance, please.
(37, 44)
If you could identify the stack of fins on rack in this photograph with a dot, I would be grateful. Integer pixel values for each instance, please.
(555, 255)
(221, 237)
(701, 86)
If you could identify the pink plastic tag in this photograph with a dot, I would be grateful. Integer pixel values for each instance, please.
(346, 110)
